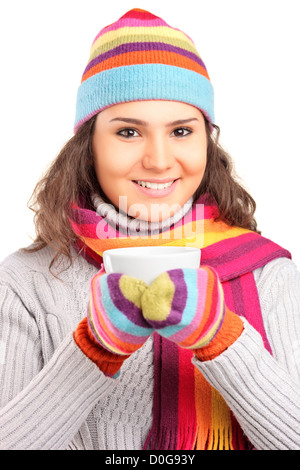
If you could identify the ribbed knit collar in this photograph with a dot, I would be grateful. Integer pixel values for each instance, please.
(122, 222)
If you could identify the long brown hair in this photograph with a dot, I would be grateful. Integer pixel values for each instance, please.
(71, 176)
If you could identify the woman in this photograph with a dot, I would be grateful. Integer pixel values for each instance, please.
(200, 359)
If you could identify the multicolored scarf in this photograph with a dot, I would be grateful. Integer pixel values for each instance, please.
(188, 414)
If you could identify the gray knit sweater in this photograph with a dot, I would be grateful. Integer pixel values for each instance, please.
(53, 397)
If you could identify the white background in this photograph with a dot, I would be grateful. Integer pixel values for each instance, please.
(251, 50)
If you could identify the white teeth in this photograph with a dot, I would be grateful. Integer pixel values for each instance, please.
(146, 184)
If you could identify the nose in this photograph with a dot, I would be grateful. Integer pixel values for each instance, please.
(157, 154)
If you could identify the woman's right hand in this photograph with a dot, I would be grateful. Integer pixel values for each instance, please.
(114, 327)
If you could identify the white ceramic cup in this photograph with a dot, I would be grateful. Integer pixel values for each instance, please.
(147, 263)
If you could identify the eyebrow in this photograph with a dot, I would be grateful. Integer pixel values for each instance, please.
(145, 123)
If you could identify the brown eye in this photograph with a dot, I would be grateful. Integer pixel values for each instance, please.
(129, 132)
(181, 131)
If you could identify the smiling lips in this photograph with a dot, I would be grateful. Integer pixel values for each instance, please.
(156, 188)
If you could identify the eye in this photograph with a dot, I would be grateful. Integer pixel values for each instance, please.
(183, 129)
(129, 130)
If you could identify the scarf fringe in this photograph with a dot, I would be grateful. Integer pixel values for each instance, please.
(219, 438)
(175, 438)
(227, 437)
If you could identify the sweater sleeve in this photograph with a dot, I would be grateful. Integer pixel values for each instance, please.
(42, 406)
(263, 390)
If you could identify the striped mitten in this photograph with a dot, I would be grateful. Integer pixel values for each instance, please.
(114, 327)
(187, 307)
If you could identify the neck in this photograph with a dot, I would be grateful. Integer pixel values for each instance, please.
(125, 224)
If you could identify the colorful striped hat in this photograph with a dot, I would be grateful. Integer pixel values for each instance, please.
(141, 57)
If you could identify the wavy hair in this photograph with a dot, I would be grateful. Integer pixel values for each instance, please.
(71, 177)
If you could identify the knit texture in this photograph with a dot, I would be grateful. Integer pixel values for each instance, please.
(64, 401)
(187, 307)
(184, 305)
(115, 315)
(141, 57)
(114, 327)
(108, 362)
(123, 223)
(232, 328)
(222, 246)
(233, 252)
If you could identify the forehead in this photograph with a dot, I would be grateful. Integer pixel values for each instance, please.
(151, 111)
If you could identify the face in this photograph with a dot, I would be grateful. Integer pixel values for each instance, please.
(148, 164)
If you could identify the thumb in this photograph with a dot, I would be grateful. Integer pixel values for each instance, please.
(167, 289)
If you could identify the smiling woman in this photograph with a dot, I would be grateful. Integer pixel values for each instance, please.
(99, 159)
(133, 166)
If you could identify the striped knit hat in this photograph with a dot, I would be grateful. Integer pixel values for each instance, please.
(141, 57)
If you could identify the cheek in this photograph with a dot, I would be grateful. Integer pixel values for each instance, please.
(195, 165)
(111, 163)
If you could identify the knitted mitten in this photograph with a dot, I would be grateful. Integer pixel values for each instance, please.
(114, 327)
(187, 307)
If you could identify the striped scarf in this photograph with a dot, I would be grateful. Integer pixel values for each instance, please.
(194, 415)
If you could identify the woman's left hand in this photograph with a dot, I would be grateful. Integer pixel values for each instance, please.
(187, 306)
